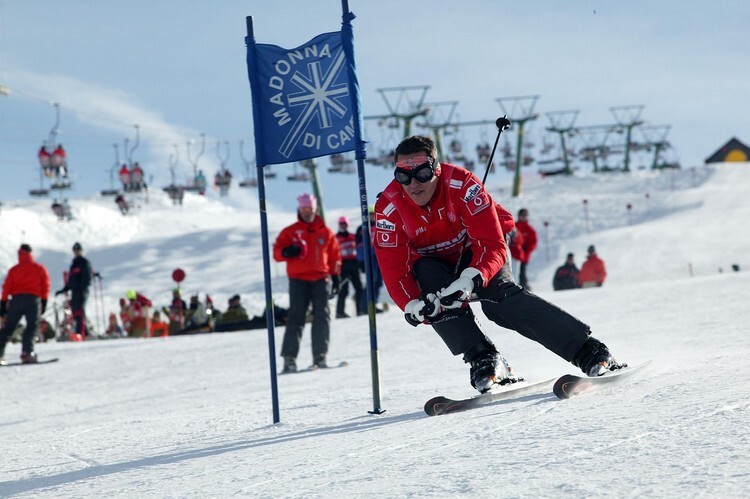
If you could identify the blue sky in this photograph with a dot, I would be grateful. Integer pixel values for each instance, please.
(177, 69)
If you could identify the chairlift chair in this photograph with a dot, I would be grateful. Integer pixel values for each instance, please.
(249, 182)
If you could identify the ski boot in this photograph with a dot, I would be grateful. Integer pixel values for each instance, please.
(594, 359)
(28, 358)
(290, 365)
(319, 362)
(488, 368)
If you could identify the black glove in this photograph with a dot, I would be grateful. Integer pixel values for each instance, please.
(291, 251)
(335, 285)
(97, 275)
(3, 308)
(44, 305)
(59, 292)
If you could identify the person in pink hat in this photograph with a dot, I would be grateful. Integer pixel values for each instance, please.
(313, 258)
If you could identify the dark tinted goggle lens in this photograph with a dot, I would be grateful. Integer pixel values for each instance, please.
(423, 173)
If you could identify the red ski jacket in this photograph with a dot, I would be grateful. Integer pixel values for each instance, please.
(348, 244)
(322, 256)
(592, 270)
(26, 278)
(528, 240)
(461, 214)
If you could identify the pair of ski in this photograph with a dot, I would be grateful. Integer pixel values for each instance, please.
(563, 387)
(314, 367)
(19, 363)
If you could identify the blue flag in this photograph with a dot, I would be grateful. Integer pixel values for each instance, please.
(302, 106)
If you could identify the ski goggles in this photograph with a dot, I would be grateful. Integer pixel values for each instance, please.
(423, 173)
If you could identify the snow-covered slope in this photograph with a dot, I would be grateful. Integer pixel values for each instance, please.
(191, 416)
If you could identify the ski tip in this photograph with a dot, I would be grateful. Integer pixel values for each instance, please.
(568, 385)
(436, 405)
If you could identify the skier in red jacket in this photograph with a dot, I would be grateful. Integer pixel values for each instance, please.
(349, 270)
(593, 272)
(312, 257)
(528, 241)
(28, 284)
(439, 240)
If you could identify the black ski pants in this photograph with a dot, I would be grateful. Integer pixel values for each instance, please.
(28, 306)
(301, 294)
(506, 304)
(78, 307)
(350, 269)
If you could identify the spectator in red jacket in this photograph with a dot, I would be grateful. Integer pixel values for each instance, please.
(349, 270)
(593, 271)
(527, 240)
(28, 285)
(312, 257)
(140, 314)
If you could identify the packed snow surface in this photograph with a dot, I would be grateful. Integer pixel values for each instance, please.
(191, 416)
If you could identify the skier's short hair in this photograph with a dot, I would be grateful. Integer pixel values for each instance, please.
(416, 143)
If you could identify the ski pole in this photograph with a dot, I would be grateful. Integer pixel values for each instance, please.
(502, 124)
(101, 319)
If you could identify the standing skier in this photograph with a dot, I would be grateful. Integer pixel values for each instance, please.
(349, 270)
(439, 239)
(28, 284)
(312, 255)
(79, 280)
(593, 271)
(528, 242)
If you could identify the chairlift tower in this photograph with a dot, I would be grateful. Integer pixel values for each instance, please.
(407, 105)
(628, 117)
(596, 148)
(656, 137)
(521, 110)
(439, 117)
(563, 123)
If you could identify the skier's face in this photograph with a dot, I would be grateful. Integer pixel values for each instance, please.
(419, 192)
(307, 214)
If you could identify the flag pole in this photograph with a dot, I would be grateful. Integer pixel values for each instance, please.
(360, 154)
(260, 159)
